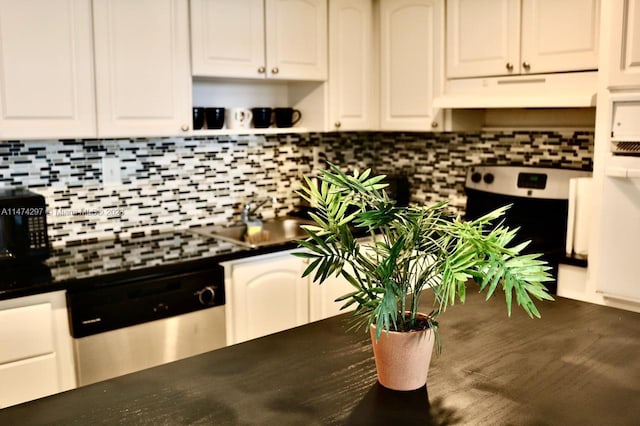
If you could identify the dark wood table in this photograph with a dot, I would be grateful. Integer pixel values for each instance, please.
(578, 365)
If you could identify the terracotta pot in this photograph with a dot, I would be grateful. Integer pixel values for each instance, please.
(402, 358)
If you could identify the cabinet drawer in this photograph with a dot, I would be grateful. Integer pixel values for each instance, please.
(25, 332)
(28, 379)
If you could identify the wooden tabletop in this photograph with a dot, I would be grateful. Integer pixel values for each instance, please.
(578, 365)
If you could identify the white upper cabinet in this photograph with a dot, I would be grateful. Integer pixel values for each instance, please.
(227, 38)
(296, 39)
(410, 61)
(278, 39)
(483, 37)
(559, 36)
(504, 37)
(351, 65)
(624, 58)
(46, 69)
(143, 80)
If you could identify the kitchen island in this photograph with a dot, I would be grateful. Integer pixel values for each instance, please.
(579, 364)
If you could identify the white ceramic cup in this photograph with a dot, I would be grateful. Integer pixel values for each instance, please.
(238, 118)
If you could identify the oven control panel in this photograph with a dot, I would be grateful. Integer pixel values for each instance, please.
(522, 181)
(532, 180)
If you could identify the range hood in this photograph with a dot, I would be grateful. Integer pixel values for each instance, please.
(561, 90)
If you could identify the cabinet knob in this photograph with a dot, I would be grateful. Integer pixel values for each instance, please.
(526, 65)
(261, 70)
(509, 66)
(275, 70)
(337, 124)
(184, 127)
(434, 124)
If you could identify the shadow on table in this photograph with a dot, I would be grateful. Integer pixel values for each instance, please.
(384, 406)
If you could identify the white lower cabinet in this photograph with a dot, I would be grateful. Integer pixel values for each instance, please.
(36, 357)
(322, 298)
(266, 294)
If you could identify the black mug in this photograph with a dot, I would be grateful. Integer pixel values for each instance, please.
(287, 117)
(198, 118)
(262, 117)
(215, 117)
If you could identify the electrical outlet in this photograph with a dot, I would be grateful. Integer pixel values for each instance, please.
(111, 171)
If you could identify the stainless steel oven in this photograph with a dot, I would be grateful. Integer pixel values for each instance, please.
(140, 322)
(539, 199)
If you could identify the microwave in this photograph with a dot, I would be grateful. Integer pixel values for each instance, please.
(23, 226)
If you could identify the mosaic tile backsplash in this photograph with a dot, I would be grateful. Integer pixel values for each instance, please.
(176, 183)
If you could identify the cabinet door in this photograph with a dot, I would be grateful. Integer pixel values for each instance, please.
(351, 66)
(483, 37)
(46, 69)
(559, 35)
(36, 358)
(322, 298)
(624, 57)
(619, 235)
(411, 55)
(267, 295)
(227, 38)
(143, 80)
(296, 39)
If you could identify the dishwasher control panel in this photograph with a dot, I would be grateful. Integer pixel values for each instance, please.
(104, 308)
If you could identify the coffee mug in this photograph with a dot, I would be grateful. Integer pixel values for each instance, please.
(238, 118)
(198, 118)
(287, 117)
(215, 117)
(262, 117)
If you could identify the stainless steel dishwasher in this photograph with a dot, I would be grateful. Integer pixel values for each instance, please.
(122, 327)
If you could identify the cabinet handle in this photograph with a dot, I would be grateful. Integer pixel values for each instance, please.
(509, 66)
(337, 124)
(275, 70)
(184, 127)
(526, 65)
(261, 70)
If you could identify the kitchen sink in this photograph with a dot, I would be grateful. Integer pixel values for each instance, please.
(275, 231)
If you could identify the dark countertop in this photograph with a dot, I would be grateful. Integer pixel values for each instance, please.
(109, 262)
(578, 365)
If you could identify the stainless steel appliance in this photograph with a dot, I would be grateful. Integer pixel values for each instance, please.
(23, 226)
(142, 321)
(539, 199)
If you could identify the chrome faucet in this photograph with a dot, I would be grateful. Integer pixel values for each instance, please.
(249, 210)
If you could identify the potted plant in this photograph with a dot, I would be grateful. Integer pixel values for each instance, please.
(413, 249)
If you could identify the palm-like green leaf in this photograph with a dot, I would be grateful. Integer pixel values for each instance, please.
(415, 248)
